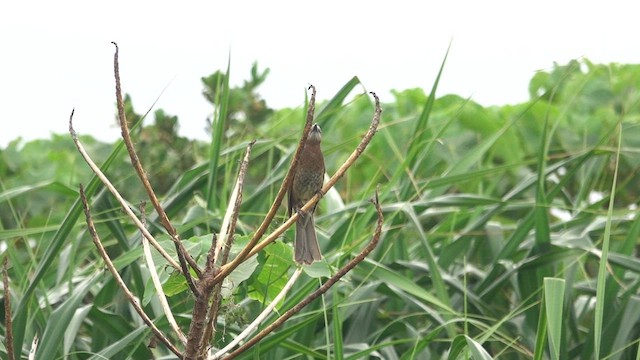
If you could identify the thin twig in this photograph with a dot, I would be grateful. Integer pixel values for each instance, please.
(324, 288)
(155, 279)
(249, 329)
(119, 281)
(228, 268)
(231, 218)
(183, 255)
(116, 194)
(8, 324)
(227, 230)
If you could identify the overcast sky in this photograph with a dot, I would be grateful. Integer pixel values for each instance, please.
(56, 55)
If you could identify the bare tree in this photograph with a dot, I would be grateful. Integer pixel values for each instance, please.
(206, 285)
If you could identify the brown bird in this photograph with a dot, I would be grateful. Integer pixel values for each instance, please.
(307, 181)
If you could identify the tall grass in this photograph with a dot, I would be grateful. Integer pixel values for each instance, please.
(510, 233)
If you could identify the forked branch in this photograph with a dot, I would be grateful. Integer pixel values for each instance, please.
(321, 290)
(203, 321)
(206, 286)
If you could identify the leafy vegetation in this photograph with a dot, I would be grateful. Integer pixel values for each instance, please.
(510, 231)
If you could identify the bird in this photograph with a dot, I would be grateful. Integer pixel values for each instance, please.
(307, 182)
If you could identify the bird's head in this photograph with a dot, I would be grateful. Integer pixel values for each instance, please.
(315, 135)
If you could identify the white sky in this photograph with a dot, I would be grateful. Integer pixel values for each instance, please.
(56, 55)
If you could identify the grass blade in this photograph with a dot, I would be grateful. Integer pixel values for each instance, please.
(602, 268)
(554, 304)
(218, 127)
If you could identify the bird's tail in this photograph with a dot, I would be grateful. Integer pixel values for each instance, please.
(306, 246)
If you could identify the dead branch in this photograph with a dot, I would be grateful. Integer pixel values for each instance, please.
(129, 295)
(224, 244)
(96, 170)
(201, 326)
(183, 256)
(228, 228)
(206, 289)
(323, 289)
(8, 323)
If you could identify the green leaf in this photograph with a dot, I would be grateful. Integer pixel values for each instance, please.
(554, 303)
(272, 275)
(59, 321)
(118, 346)
(477, 351)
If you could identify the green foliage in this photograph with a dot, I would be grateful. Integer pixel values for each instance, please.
(495, 218)
(246, 109)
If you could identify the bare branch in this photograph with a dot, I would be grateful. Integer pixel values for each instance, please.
(183, 255)
(120, 282)
(227, 230)
(225, 270)
(201, 327)
(324, 288)
(373, 128)
(8, 323)
(116, 194)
